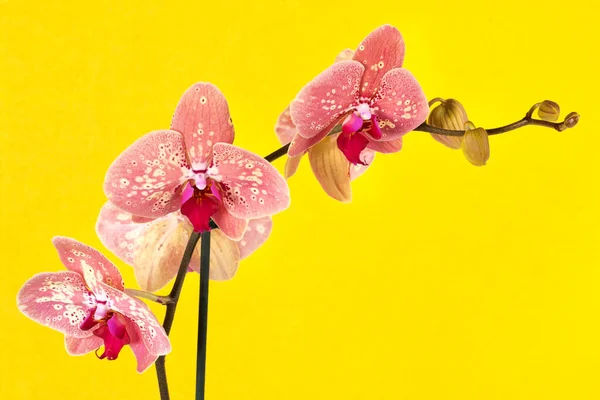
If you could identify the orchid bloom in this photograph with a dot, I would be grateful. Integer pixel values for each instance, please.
(356, 106)
(155, 248)
(194, 168)
(88, 305)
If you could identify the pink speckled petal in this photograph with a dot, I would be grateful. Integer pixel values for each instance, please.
(231, 226)
(299, 145)
(144, 358)
(224, 257)
(80, 346)
(357, 170)
(252, 187)
(257, 233)
(285, 128)
(392, 146)
(150, 331)
(344, 55)
(87, 262)
(118, 231)
(379, 52)
(403, 105)
(58, 300)
(202, 116)
(145, 179)
(326, 98)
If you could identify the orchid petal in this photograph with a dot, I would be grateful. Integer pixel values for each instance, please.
(144, 357)
(151, 333)
(357, 170)
(351, 124)
(58, 300)
(88, 262)
(374, 131)
(299, 145)
(80, 346)
(291, 165)
(144, 180)
(379, 52)
(285, 128)
(118, 232)
(392, 146)
(251, 186)
(326, 98)
(403, 105)
(159, 250)
(352, 146)
(257, 233)
(344, 55)
(202, 117)
(231, 226)
(224, 257)
(330, 167)
(199, 211)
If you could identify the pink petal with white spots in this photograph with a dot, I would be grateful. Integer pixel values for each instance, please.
(144, 358)
(145, 179)
(159, 251)
(80, 346)
(231, 226)
(252, 187)
(202, 116)
(403, 105)
(326, 98)
(344, 55)
(357, 170)
(257, 233)
(379, 52)
(150, 331)
(285, 128)
(87, 262)
(58, 300)
(392, 146)
(224, 257)
(299, 145)
(118, 231)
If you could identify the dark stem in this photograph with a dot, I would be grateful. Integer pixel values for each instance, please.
(278, 153)
(203, 315)
(559, 126)
(173, 298)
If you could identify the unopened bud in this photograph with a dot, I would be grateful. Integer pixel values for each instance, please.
(451, 115)
(571, 120)
(475, 145)
(549, 111)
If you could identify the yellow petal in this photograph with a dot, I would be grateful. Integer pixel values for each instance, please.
(224, 256)
(291, 165)
(476, 146)
(331, 168)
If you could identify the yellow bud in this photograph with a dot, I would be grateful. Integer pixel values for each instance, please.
(571, 120)
(475, 145)
(549, 111)
(451, 115)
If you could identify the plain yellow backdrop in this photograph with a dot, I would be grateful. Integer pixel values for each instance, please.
(439, 281)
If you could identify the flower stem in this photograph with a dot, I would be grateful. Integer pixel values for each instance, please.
(203, 315)
(173, 298)
(164, 300)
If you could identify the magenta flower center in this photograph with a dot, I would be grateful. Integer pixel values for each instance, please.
(201, 198)
(359, 127)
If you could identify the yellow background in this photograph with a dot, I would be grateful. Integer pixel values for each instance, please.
(439, 281)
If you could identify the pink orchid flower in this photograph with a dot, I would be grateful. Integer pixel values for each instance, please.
(194, 168)
(356, 106)
(155, 248)
(88, 305)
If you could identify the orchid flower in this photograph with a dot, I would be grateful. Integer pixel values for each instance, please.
(194, 168)
(354, 108)
(88, 305)
(155, 248)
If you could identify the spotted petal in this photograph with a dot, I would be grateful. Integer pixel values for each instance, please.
(145, 179)
(331, 168)
(88, 262)
(202, 116)
(144, 357)
(403, 105)
(224, 257)
(300, 145)
(231, 226)
(257, 233)
(285, 128)
(150, 332)
(80, 346)
(253, 188)
(326, 98)
(59, 300)
(119, 232)
(379, 52)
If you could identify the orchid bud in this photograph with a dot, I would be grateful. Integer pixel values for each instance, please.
(549, 111)
(475, 145)
(451, 115)
(571, 120)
